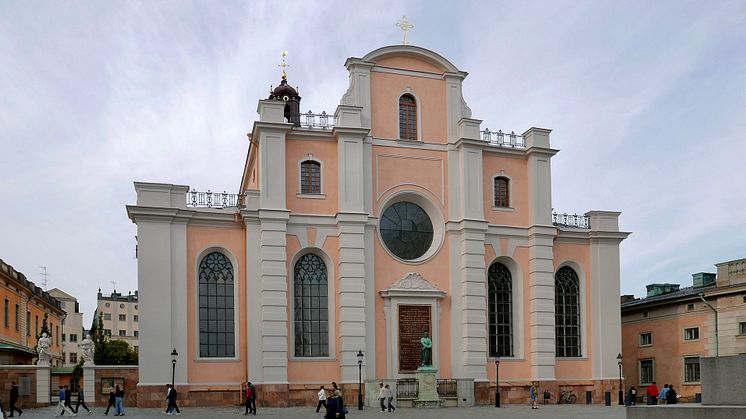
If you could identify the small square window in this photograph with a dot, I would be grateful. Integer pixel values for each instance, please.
(107, 316)
(690, 307)
(73, 357)
(742, 328)
(691, 333)
(646, 339)
(122, 317)
(644, 314)
(122, 333)
(73, 337)
(135, 318)
(136, 333)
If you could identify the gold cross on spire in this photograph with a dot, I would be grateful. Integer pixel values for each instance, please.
(283, 65)
(405, 26)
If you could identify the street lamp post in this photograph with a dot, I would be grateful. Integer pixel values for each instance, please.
(621, 392)
(174, 354)
(497, 381)
(360, 380)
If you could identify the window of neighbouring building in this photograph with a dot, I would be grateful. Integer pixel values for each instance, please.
(647, 371)
(18, 317)
(691, 369)
(690, 307)
(135, 318)
(63, 337)
(216, 307)
(691, 333)
(742, 328)
(73, 337)
(137, 333)
(73, 357)
(500, 306)
(310, 177)
(107, 332)
(6, 322)
(311, 307)
(122, 333)
(28, 323)
(646, 339)
(107, 316)
(501, 192)
(407, 118)
(644, 314)
(567, 312)
(122, 317)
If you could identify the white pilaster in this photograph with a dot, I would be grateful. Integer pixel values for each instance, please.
(541, 302)
(89, 383)
(605, 305)
(161, 266)
(254, 353)
(274, 296)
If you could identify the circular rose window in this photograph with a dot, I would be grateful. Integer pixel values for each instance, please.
(406, 230)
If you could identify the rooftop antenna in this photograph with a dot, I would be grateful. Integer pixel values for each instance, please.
(114, 284)
(46, 277)
(405, 27)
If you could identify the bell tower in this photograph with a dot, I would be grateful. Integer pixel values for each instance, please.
(286, 93)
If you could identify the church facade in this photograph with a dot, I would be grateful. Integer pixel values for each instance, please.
(353, 233)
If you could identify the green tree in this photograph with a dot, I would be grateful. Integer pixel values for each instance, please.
(111, 352)
(44, 326)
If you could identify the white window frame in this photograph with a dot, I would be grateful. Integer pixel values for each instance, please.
(742, 328)
(418, 104)
(693, 339)
(639, 371)
(321, 194)
(510, 206)
(683, 369)
(645, 345)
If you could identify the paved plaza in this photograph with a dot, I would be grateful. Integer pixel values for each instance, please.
(480, 412)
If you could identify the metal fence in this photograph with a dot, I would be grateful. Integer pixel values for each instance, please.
(407, 388)
(571, 220)
(503, 139)
(309, 119)
(209, 199)
(447, 388)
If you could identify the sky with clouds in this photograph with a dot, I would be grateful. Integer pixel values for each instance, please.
(647, 102)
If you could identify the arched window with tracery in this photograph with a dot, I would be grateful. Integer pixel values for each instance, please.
(216, 316)
(500, 309)
(311, 317)
(502, 193)
(567, 312)
(310, 177)
(407, 118)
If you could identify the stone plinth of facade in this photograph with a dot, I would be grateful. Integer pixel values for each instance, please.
(427, 391)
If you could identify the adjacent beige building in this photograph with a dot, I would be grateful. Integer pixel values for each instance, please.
(72, 327)
(120, 317)
(665, 334)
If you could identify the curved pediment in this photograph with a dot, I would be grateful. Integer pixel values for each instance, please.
(412, 285)
(433, 59)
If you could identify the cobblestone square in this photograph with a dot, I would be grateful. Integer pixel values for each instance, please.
(480, 412)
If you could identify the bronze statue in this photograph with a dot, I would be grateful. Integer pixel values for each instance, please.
(426, 355)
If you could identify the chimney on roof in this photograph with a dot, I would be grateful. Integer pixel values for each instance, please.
(626, 298)
(661, 289)
(703, 279)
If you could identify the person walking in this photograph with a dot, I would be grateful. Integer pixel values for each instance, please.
(68, 399)
(250, 399)
(62, 406)
(631, 396)
(534, 394)
(171, 397)
(81, 402)
(652, 392)
(671, 395)
(382, 397)
(322, 399)
(14, 399)
(390, 398)
(335, 408)
(112, 402)
(119, 400)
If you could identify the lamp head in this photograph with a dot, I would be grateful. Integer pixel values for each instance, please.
(360, 357)
(174, 354)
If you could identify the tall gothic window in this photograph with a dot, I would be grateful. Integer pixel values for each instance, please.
(407, 118)
(311, 307)
(310, 177)
(567, 312)
(500, 310)
(216, 325)
(502, 197)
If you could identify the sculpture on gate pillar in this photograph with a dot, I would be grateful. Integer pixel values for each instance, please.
(42, 348)
(87, 348)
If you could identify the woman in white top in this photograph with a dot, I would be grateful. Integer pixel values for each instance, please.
(322, 399)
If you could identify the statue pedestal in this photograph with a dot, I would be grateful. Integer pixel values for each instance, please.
(43, 384)
(89, 384)
(427, 392)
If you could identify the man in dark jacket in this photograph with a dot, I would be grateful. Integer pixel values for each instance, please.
(68, 399)
(671, 395)
(14, 399)
(171, 397)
